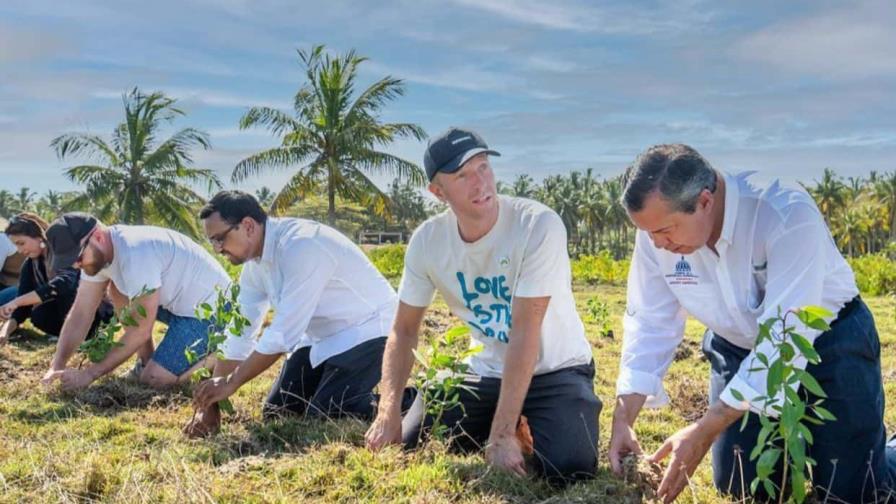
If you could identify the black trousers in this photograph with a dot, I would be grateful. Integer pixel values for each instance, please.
(341, 385)
(561, 409)
(850, 452)
(49, 316)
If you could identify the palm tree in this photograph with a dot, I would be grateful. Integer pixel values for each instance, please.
(141, 178)
(265, 196)
(25, 199)
(828, 194)
(522, 187)
(885, 190)
(7, 204)
(51, 204)
(333, 137)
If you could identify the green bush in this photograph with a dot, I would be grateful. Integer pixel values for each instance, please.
(388, 259)
(600, 269)
(875, 274)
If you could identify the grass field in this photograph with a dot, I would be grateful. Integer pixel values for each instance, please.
(121, 442)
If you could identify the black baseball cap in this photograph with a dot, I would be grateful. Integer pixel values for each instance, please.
(64, 236)
(448, 151)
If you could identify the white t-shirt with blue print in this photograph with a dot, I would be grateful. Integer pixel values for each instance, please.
(524, 255)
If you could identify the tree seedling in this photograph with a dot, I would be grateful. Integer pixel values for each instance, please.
(223, 318)
(96, 348)
(441, 377)
(786, 435)
(598, 312)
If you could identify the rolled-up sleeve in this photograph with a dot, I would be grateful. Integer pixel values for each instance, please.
(653, 326)
(306, 268)
(795, 279)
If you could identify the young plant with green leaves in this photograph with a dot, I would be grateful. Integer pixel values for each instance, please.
(598, 312)
(441, 377)
(785, 434)
(95, 349)
(224, 317)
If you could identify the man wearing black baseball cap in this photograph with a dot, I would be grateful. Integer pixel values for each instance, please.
(490, 256)
(65, 235)
(162, 270)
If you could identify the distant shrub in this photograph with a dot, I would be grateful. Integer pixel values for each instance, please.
(600, 269)
(388, 259)
(875, 274)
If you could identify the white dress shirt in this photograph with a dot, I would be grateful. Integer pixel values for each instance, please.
(774, 251)
(324, 291)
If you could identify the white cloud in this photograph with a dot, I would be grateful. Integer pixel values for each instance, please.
(587, 17)
(208, 97)
(851, 43)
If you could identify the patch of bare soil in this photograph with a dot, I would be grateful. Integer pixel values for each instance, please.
(689, 398)
(643, 475)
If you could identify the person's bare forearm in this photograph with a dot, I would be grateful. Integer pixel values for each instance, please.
(225, 367)
(628, 406)
(718, 417)
(248, 369)
(398, 359)
(522, 353)
(29, 299)
(74, 330)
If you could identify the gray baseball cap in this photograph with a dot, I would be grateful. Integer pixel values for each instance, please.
(449, 150)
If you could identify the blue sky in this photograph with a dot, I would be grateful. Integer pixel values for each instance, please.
(784, 88)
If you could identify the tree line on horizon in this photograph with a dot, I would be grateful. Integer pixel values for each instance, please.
(332, 144)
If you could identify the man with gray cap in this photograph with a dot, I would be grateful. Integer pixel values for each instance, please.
(131, 260)
(490, 256)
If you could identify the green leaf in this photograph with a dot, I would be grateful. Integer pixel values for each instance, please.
(456, 332)
(769, 487)
(774, 378)
(824, 414)
(226, 406)
(767, 462)
(737, 395)
(141, 310)
(811, 383)
(787, 351)
(806, 348)
(818, 311)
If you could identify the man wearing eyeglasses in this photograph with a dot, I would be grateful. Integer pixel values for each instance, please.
(131, 260)
(332, 312)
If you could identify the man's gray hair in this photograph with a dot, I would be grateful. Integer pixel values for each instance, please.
(677, 171)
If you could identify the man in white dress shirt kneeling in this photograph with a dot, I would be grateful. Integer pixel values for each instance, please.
(731, 255)
(332, 312)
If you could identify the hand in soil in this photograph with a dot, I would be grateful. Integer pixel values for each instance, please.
(504, 452)
(204, 423)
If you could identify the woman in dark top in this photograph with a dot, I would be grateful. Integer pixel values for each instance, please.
(44, 296)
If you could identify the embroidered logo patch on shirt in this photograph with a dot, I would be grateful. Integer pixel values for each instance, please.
(683, 274)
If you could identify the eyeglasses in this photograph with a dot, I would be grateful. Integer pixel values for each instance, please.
(218, 239)
(84, 245)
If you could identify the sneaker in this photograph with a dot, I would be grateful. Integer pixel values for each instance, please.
(136, 371)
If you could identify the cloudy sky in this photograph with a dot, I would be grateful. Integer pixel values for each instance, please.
(784, 88)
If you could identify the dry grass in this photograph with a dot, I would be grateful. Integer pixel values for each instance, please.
(121, 442)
